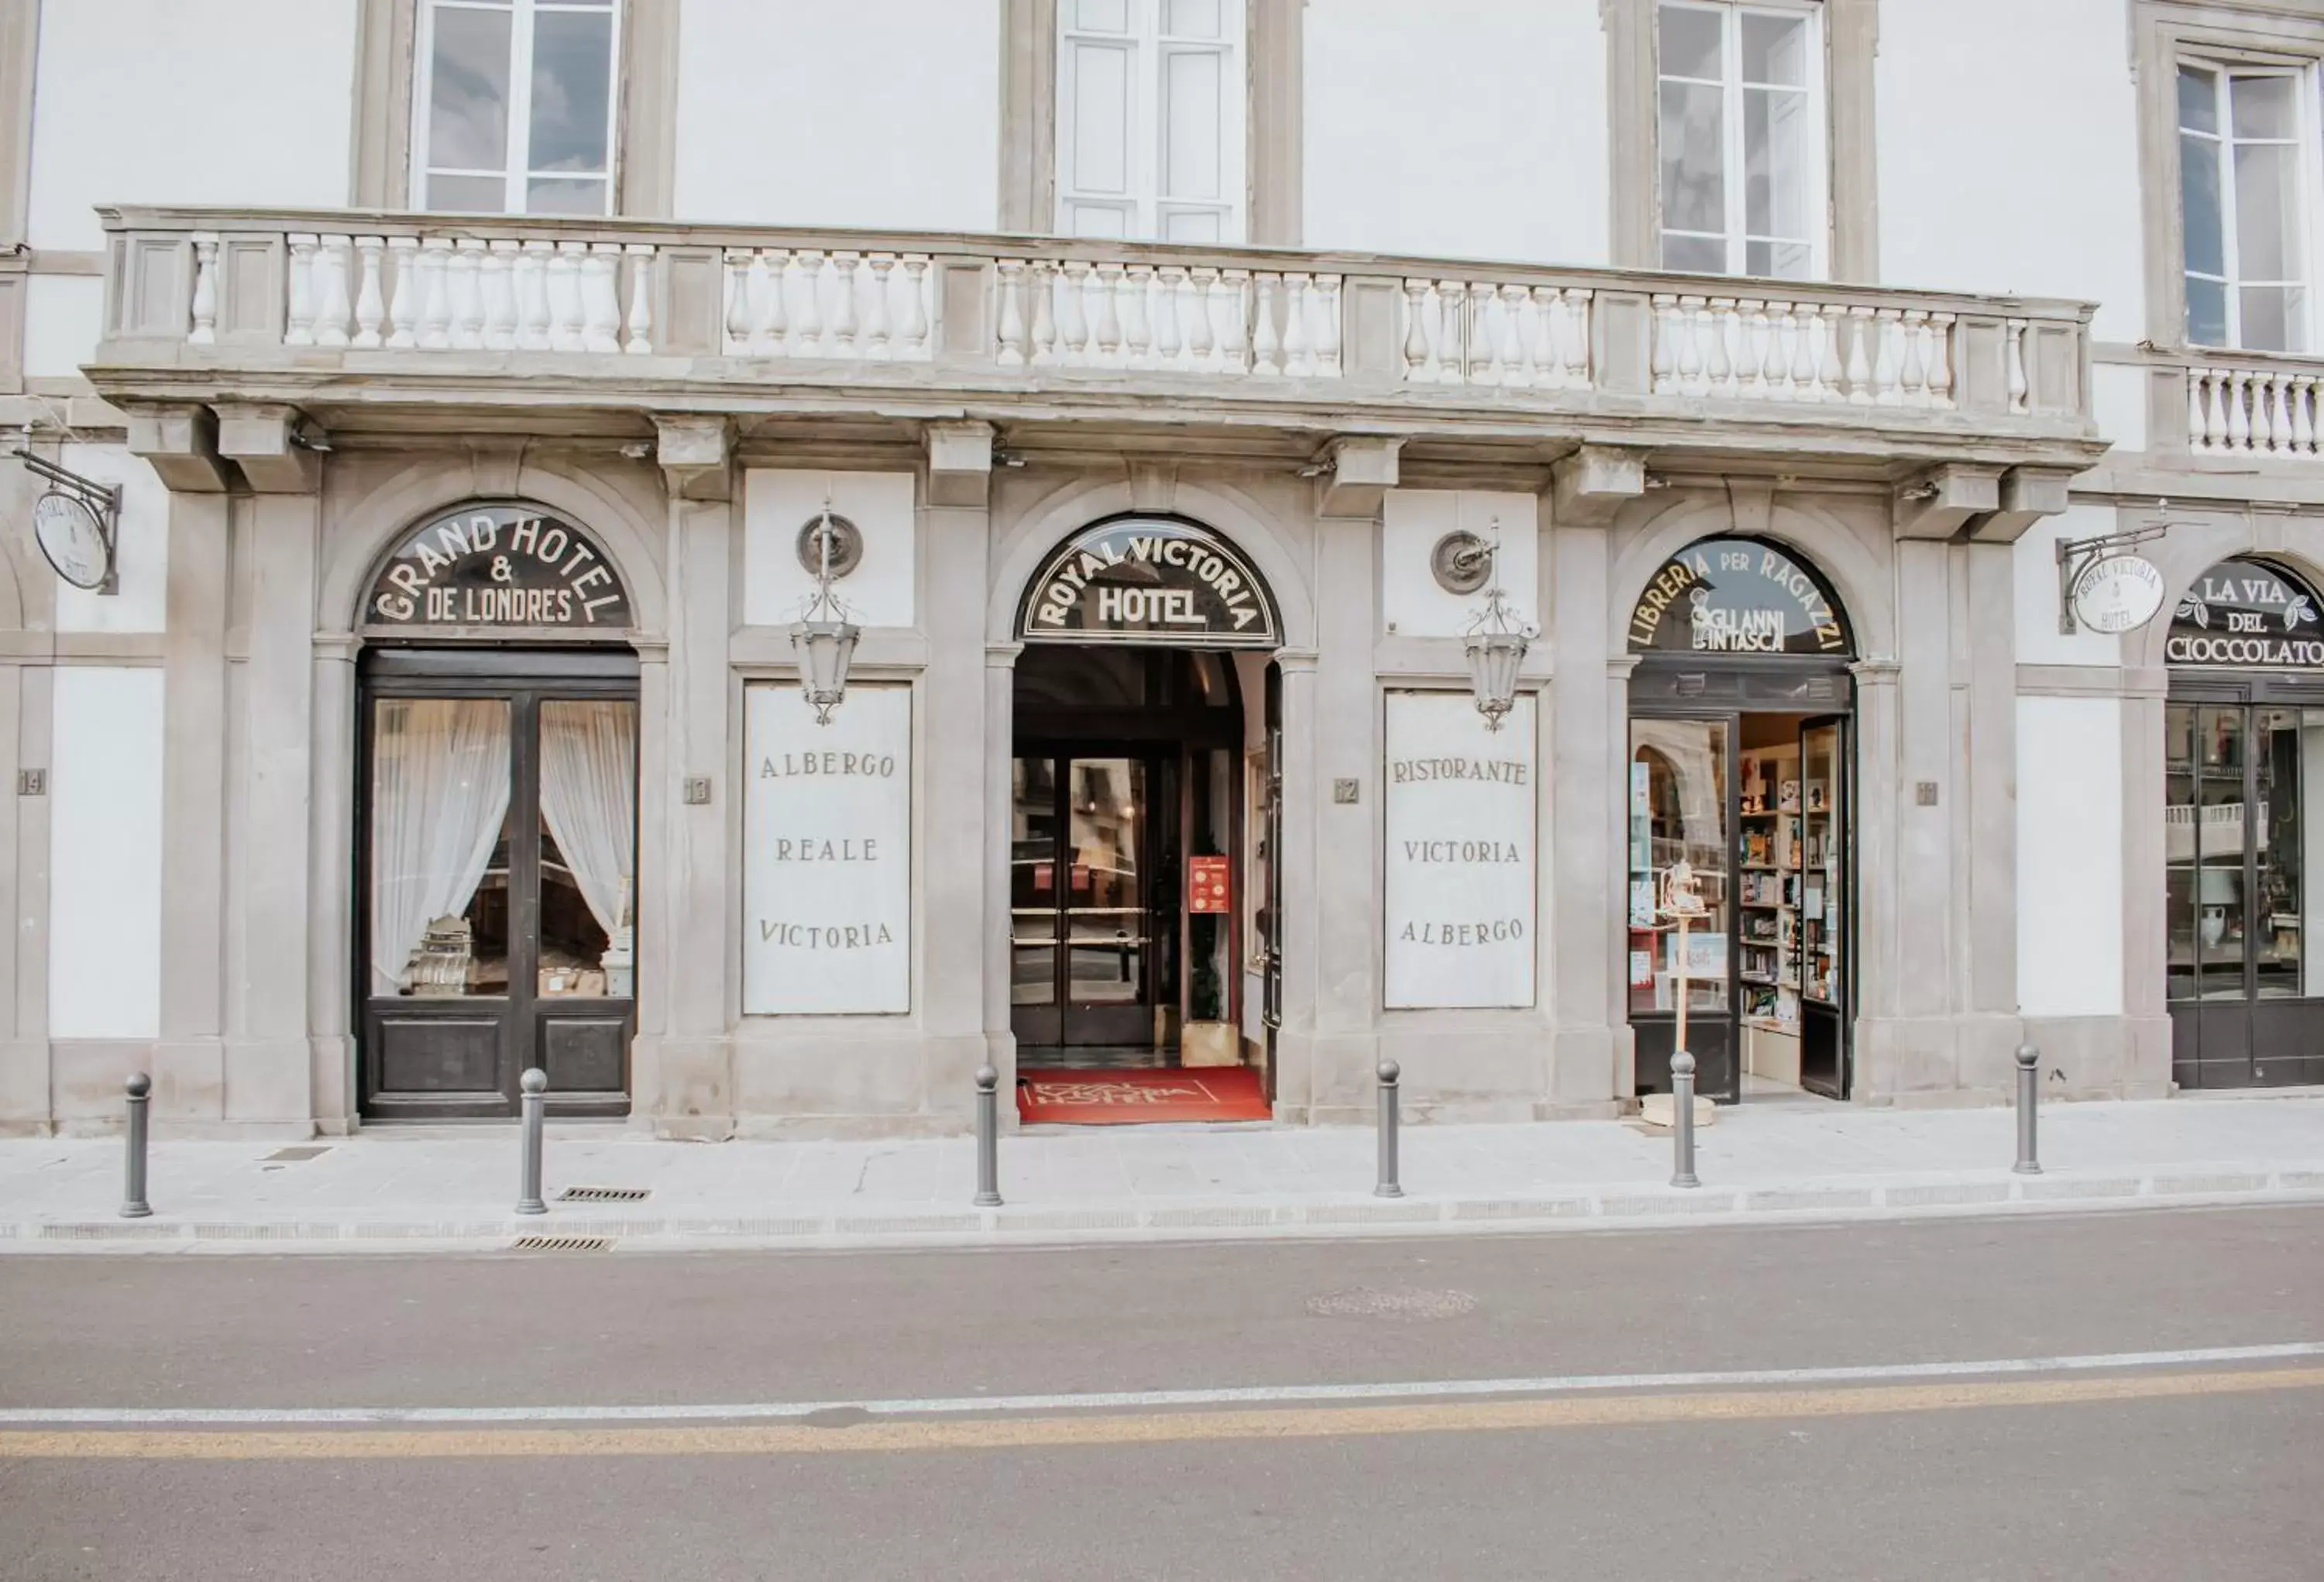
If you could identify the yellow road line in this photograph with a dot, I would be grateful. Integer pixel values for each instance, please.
(1144, 1428)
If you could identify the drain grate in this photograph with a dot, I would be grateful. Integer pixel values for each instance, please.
(562, 1243)
(605, 1194)
(292, 1155)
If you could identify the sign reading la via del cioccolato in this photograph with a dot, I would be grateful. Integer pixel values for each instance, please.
(1149, 579)
(498, 564)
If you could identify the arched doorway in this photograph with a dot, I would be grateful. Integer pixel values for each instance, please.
(2243, 828)
(496, 835)
(1741, 764)
(1141, 800)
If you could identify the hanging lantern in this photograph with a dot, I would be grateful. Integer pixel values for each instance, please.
(1497, 643)
(823, 637)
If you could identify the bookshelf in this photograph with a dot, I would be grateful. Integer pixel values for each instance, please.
(1775, 838)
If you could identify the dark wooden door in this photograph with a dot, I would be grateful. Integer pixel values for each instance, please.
(484, 947)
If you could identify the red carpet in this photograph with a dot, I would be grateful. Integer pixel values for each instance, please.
(1124, 1098)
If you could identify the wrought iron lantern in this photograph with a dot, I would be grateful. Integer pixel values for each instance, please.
(1497, 644)
(824, 638)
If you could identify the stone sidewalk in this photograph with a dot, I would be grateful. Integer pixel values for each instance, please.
(412, 1189)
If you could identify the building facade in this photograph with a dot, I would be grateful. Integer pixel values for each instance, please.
(1168, 391)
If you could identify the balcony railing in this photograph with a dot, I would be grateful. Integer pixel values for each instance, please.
(2251, 405)
(398, 295)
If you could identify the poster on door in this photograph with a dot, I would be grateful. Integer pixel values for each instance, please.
(1459, 875)
(826, 853)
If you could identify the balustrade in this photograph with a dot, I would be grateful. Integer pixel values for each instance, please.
(1165, 318)
(443, 294)
(1755, 348)
(1479, 332)
(808, 302)
(2253, 411)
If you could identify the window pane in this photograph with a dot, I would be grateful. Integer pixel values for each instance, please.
(1691, 43)
(1193, 224)
(2281, 838)
(572, 84)
(2198, 104)
(2179, 815)
(2270, 318)
(1103, 16)
(1105, 895)
(588, 814)
(1779, 260)
(1191, 19)
(468, 91)
(2207, 312)
(1190, 132)
(2263, 106)
(1693, 175)
(542, 196)
(2199, 206)
(1101, 147)
(2222, 937)
(1777, 144)
(2267, 210)
(1033, 882)
(1097, 220)
(1678, 812)
(467, 194)
(1694, 254)
(439, 847)
(1775, 50)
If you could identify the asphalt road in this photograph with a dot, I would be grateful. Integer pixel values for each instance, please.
(2180, 1467)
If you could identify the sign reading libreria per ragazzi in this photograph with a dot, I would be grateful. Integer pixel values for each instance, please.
(1459, 883)
(828, 854)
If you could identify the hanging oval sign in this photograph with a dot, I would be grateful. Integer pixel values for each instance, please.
(499, 565)
(1737, 596)
(2117, 593)
(72, 538)
(2247, 615)
(1149, 579)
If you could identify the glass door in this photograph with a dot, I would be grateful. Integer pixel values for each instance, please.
(1085, 968)
(1680, 808)
(1823, 893)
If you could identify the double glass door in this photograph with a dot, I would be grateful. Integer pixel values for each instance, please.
(2244, 811)
(498, 862)
(1089, 945)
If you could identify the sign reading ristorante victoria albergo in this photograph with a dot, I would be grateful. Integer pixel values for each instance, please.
(499, 565)
(1149, 579)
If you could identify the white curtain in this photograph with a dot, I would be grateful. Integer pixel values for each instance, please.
(439, 794)
(588, 794)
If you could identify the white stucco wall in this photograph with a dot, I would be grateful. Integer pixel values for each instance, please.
(881, 113)
(2069, 880)
(105, 861)
(2008, 150)
(142, 560)
(189, 101)
(1466, 128)
(2034, 564)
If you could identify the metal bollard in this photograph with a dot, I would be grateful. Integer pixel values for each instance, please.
(133, 1203)
(988, 1137)
(2029, 1083)
(535, 1083)
(1389, 1074)
(1682, 1120)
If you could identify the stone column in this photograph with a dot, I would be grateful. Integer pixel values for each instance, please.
(1296, 1085)
(1344, 910)
(2146, 1068)
(956, 826)
(1881, 799)
(1585, 743)
(993, 841)
(1987, 858)
(330, 887)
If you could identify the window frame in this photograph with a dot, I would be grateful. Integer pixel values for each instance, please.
(1146, 207)
(2224, 69)
(1735, 235)
(517, 174)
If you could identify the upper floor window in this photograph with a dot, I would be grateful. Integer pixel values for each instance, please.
(1741, 138)
(514, 107)
(1151, 106)
(2242, 190)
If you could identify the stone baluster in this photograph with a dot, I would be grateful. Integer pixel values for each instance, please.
(601, 298)
(567, 313)
(1266, 344)
(435, 293)
(916, 306)
(1574, 333)
(875, 314)
(534, 259)
(1327, 331)
(742, 264)
(2301, 391)
(1419, 365)
(1719, 360)
(1665, 353)
(1789, 375)
(1472, 306)
(1298, 344)
(1105, 332)
(205, 300)
(1914, 389)
(1860, 356)
(2215, 410)
(1521, 329)
(465, 286)
(1073, 315)
(2199, 425)
(2239, 433)
(370, 301)
(1694, 344)
(2019, 388)
(1008, 314)
(1168, 343)
(1750, 348)
(843, 315)
(1137, 330)
(1807, 352)
(1940, 360)
(332, 304)
(1545, 347)
(640, 315)
(403, 303)
(1888, 328)
(299, 326)
(1202, 320)
(1233, 295)
(801, 334)
(2280, 411)
(1829, 370)
(1045, 312)
(496, 284)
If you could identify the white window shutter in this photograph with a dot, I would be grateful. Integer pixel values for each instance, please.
(1150, 110)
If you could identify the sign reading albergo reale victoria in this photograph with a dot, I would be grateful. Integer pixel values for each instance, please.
(499, 565)
(1146, 580)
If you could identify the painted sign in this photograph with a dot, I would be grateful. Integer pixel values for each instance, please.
(1459, 901)
(499, 565)
(827, 852)
(2244, 615)
(1206, 884)
(72, 538)
(2117, 593)
(1149, 579)
(1737, 596)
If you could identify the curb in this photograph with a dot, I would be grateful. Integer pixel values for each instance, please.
(1598, 1209)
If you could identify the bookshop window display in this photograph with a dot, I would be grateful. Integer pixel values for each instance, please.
(1739, 765)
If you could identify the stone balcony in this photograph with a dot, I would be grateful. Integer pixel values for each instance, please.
(576, 326)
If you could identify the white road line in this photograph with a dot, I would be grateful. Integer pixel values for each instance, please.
(1120, 1400)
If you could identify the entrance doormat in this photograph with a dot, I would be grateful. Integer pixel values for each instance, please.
(1056, 1094)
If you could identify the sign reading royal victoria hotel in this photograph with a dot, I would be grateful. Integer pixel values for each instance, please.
(1458, 883)
(1149, 579)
